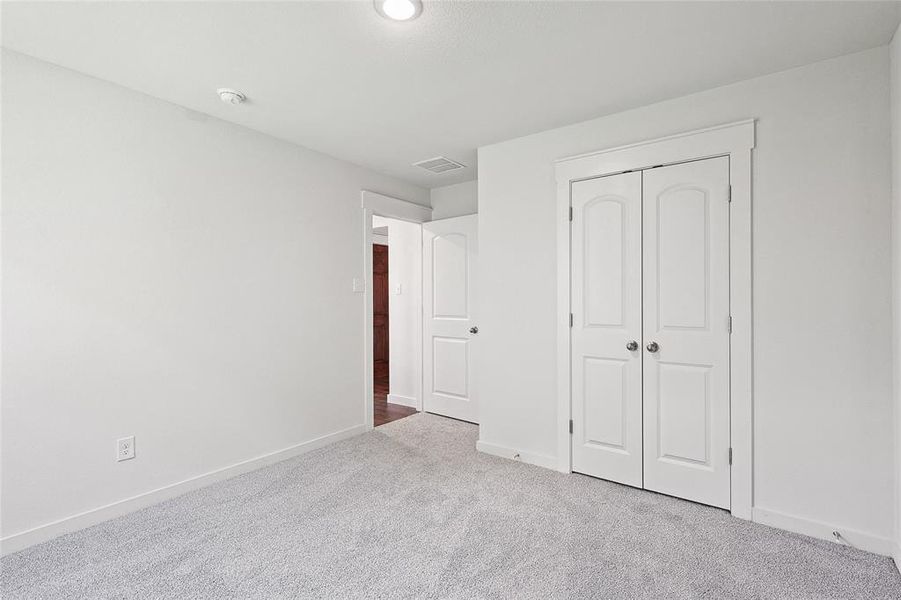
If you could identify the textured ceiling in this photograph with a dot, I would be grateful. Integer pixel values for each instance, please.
(336, 77)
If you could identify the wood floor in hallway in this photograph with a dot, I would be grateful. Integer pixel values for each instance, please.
(384, 411)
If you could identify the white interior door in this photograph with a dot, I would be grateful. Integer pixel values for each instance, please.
(606, 328)
(449, 252)
(686, 330)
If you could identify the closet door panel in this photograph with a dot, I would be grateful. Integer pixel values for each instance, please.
(606, 307)
(686, 330)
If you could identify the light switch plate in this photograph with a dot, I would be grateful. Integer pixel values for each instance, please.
(358, 285)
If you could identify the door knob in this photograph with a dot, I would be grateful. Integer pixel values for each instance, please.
(632, 346)
(653, 347)
(473, 330)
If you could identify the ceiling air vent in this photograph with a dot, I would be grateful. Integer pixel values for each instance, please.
(439, 164)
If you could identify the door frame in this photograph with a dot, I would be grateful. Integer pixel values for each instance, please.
(374, 203)
(735, 140)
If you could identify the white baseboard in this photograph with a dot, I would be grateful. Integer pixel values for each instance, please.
(403, 400)
(540, 460)
(42, 533)
(852, 537)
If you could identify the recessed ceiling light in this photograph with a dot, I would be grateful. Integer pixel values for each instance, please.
(398, 10)
(230, 96)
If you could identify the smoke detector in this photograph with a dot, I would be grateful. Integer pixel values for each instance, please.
(439, 164)
(230, 96)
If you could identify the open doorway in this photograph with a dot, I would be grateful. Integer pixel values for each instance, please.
(404, 385)
(396, 318)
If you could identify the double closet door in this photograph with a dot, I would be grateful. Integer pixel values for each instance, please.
(650, 329)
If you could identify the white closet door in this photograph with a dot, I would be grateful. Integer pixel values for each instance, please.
(686, 314)
(606, 306)
(449, 251)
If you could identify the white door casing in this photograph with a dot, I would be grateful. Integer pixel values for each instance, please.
(449, 254)
(374, 203)
(736, 141)
(606, 306)
(686, 313)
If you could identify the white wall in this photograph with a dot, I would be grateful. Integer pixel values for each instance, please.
(455, 200)
(822, 297)
(895, 54)
(404, 310)
(378, 238)
(166, 275)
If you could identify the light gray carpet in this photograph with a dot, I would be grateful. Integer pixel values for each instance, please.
(410, 510)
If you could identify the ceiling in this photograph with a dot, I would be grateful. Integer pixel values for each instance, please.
(337, 78)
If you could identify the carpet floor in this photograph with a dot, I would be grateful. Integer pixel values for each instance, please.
(411, 510)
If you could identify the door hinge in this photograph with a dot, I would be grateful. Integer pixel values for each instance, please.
(730, 456)
(730, 323)
(570, 426)
(570, 319)
(570, 213)
(729, 194)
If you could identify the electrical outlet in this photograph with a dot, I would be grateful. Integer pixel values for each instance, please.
(125, 448)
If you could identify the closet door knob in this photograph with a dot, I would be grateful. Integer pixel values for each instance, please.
(632, 346)
(473, 330)
(653, 347)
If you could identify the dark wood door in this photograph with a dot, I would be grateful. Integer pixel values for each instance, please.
(380, 312)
